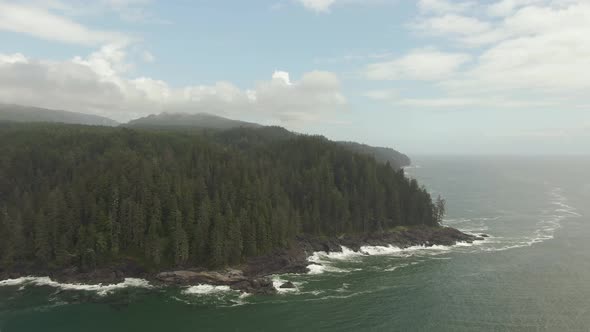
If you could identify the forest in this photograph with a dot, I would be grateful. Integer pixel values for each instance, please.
(87, 196)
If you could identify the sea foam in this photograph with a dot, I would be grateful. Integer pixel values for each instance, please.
(323, 262)
(549, 222)
(99, 289)
(277, 282)
(204, 289)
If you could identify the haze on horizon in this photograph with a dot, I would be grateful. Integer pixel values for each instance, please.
(428, 76)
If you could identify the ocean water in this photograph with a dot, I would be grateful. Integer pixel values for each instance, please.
(531, 274)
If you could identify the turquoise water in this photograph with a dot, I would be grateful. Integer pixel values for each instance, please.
(532, 274)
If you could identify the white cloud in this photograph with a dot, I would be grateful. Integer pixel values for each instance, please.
(506, 7)
(422, 65)
(97, 84)
(12, 58)
(444, 6)
(324, 6)
(452, 24)
(319, 6)
(39, 22)
(282, 76)
(135, 11)
(544, 50)
(530, 54)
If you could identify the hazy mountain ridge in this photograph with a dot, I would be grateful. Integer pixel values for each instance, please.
(18, 113)
(234, 128)
(250, 133)
(185, 120)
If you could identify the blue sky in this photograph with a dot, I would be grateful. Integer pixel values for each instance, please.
(427, 76)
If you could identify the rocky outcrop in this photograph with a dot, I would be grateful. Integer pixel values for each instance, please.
(183, 278)
(287, 285)
(252, 277)
(294, 259)
(231, 277)
(104, 276)
(259, 286)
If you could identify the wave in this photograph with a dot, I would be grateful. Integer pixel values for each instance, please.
(100, 289)
(319, 268)
(204, 289)
(395, 267)
(392, 250)
(323, 262)
(221, 296)
(550, 221)
(277, 282)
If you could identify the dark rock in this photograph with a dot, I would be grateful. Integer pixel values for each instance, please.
(294, 259)
(204, 277)
(288, 285)
(252, 276)
(73, 275)
(266, 287)
(258, 286)
(265, 282)
(243, 286)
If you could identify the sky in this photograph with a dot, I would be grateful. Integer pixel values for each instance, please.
(424, 77)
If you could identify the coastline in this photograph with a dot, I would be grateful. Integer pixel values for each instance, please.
(253, 276)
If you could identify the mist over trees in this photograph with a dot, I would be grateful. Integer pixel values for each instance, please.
(89, 196)
(18, 113)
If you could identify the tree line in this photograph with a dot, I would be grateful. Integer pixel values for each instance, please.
(74, 195)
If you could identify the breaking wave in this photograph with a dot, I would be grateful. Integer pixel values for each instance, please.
(205, 289)
(99, 289)
(322, 262)
(278, 281)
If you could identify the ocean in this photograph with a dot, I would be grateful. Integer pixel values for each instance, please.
(531, 274)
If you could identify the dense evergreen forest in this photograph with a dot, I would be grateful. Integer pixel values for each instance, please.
(209, 122)
(89, 196)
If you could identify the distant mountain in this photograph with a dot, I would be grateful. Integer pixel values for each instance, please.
(183, 120)
(17, 113)
(243, 134)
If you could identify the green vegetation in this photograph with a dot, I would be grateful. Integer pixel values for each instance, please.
(211, 123)
(88, 196)
(380, 154)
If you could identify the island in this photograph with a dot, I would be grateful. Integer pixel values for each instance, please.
(228, 204)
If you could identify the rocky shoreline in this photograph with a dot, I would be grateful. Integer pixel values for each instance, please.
(253, 276)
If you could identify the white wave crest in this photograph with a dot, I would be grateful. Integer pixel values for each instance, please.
(277, 282)
(393, 250)
(317, 268)
(204, 289)
(323, 262)
(345, 254)
(100, 289)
